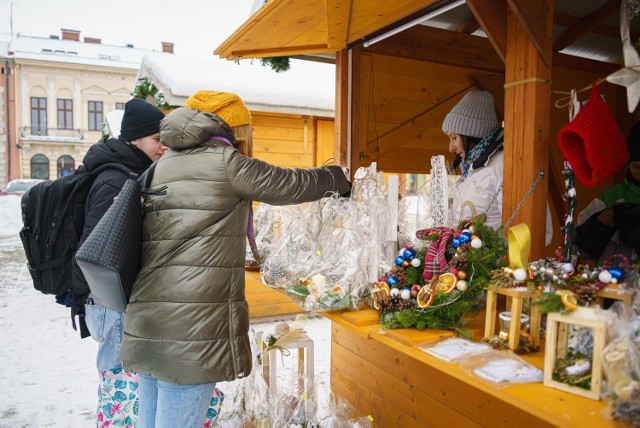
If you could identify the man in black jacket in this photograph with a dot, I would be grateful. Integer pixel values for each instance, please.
(137, 148)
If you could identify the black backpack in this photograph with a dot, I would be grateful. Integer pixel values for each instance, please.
(53, 218)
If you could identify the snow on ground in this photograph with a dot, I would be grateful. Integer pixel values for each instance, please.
(47, 374)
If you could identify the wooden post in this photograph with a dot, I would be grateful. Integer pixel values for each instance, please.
(527, 110)
(342, 111)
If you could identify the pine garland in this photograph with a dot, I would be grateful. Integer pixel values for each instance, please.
(568, 243)
(279, 64)
(144, 87)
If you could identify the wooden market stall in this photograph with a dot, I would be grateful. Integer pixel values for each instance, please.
(400, 67)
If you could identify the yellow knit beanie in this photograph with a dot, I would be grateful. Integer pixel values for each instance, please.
(229, 107)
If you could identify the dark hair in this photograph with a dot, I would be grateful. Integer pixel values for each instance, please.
(469, 143)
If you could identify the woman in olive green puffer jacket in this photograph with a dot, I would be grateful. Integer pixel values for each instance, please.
(187, 320)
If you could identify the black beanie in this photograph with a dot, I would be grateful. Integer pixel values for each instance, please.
(140, 119)
(633, 143)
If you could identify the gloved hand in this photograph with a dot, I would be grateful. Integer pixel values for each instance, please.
(72, 299)
(60, 298)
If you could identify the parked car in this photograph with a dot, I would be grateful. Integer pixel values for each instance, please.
(19, 187)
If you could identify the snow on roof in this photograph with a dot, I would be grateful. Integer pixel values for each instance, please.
(73, 52)
(306, 88)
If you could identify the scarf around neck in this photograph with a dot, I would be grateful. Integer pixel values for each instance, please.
(478, 151)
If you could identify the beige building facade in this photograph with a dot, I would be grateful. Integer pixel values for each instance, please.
(60, 111)
(64, 88)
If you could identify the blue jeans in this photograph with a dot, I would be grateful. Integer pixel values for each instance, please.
(168, 405)
(107, 328)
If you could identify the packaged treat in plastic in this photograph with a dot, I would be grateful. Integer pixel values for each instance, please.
(501, 368)
(325, 253)
(414, 213)
(621, 366)
(454, 349)
(336, 413)
(247, 403)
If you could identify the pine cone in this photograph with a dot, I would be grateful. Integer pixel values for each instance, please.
(587, 293)
(401, 274)
(461, 262)
(395, 304)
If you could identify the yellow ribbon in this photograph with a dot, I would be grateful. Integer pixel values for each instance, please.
(519, 245)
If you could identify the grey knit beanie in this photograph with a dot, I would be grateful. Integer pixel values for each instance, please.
(473, 116)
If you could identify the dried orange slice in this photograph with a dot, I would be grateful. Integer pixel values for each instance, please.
(380, 292)
(425, 296)
(447, 283)
(569, 300)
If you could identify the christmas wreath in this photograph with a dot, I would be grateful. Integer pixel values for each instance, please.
(442, 285)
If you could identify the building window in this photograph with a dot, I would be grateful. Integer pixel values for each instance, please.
(95, 115)
(40, 167)
(38, 116)
(65, 114)
(119, 106)
(66, 165)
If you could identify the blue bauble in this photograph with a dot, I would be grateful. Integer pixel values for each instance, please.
(455, 242)
(398, 261)
(392, 280)
(409, 254)
(617, 273)
(464, 238)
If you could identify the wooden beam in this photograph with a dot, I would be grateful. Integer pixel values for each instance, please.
(469, 27)
(292, 50)
(492, 16)
(338, 12)
(440, 46)
(527, 121)
(565, 20)
(342, 111)
(585, 25)
(355, 104)
(362, 102)
(533, 19)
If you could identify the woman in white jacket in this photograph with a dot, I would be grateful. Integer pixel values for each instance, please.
(477, 140)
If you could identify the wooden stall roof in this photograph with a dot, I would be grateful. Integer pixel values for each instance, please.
(294, 27)
(588, 29)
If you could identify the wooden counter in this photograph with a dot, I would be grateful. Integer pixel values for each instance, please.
(264, 301)
(381, 374)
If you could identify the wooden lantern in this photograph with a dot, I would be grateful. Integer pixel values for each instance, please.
(515, 302)
(557, 348)
(304, 346)
(616, 292)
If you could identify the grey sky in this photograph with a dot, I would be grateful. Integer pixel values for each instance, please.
(196, 27)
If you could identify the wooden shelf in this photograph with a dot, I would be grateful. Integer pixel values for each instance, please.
(382, 374)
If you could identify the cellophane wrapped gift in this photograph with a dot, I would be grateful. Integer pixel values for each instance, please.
(250, 402)
(325, 253)
(414, 213)
(621, 367)
(435, 204)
